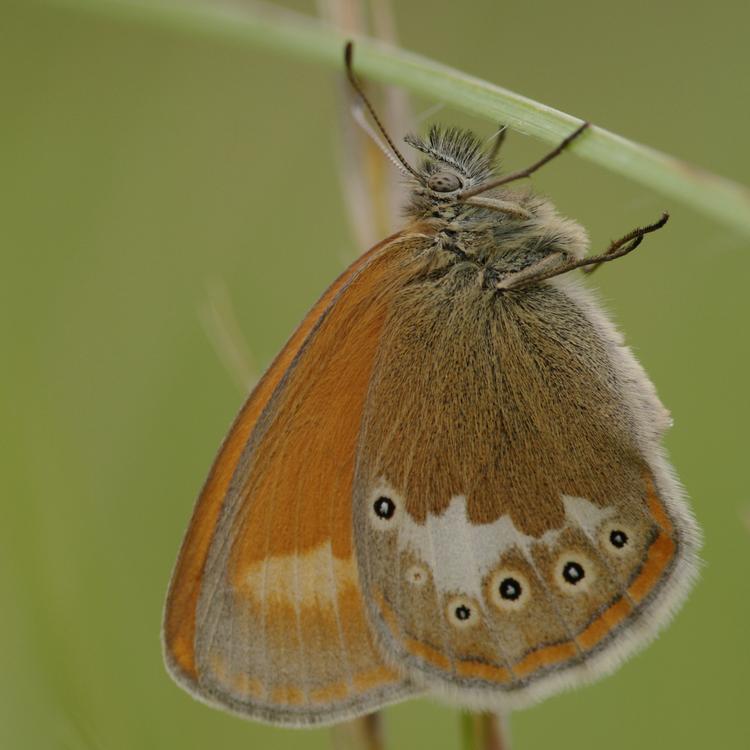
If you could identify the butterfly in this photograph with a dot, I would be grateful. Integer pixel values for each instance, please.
(449, 481)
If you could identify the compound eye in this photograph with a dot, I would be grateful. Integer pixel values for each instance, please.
(444, 182)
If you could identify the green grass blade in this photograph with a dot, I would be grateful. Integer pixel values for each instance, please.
(293, 34)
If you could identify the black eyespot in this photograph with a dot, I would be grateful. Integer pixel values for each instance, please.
(462, 613)
(444, 182)
(510, 589)
(573, 572)
(618, 538)
(384, 507)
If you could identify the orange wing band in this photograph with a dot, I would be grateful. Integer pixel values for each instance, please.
(182, 600)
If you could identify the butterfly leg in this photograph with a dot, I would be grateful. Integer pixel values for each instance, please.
(514, 280)
(521, 173)
(541, 271)
(528, 171)
(504, 207)
(624, 245)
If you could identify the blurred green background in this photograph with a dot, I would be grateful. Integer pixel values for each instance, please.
(138, 165)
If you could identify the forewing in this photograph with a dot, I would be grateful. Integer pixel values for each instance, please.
(517, 526)
(265, 614)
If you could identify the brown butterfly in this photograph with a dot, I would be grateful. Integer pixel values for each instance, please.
(449, 480)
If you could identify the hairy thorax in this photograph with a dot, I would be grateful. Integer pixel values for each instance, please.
(496, 243)
(500, 231)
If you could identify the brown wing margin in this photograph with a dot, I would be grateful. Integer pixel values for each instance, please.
(265, 481)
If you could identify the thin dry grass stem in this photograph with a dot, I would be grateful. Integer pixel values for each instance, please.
(76, 732)
(485, 731)
(399, 115)
(372, 188)
(363, 734)
(223, 331)
(373, 196)
(353, 146)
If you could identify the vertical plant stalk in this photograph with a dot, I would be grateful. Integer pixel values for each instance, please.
(224, 331)
(484, 731)
(372, 194)
(372, 189)
(399, 117)
(361, 734)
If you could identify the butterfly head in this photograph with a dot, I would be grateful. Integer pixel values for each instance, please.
(455, 161)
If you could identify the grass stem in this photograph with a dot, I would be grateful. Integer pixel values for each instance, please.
(270, 27)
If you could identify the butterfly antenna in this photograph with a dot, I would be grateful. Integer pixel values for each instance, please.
(348, 54)
(361, 119)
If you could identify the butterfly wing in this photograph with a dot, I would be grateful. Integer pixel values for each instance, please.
(517, 526)
(265, 614)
